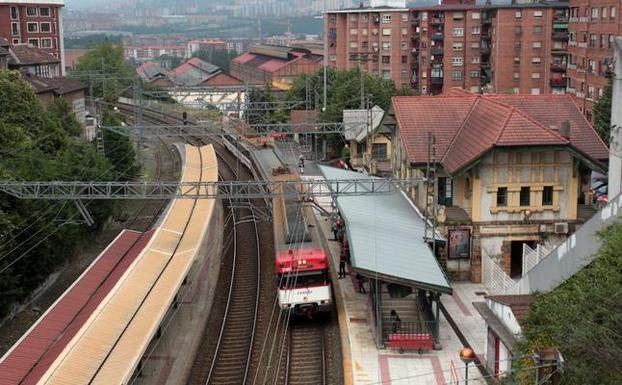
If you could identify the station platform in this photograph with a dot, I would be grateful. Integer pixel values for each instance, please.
(39, 347)
(459, 325)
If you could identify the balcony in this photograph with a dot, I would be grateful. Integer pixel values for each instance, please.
(558, 67)
(437, 21)
(580, 95)
(559, 82)
(415, 52)
(560, 36)
(415, 21)
(572, 43)
(435, 80)
(437, 37)
(559, 49)
(484, 49)
(436, 51)
(582, 44)
(560, 18)
(571, 66)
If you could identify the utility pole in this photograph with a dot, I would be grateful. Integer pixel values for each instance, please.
(615, 143)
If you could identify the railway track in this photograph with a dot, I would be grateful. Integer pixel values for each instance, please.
(232, 358)
(306, 354)
(306, 358)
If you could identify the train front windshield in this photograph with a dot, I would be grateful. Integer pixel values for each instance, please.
(303, 279)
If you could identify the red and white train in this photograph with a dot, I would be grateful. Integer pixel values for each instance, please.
(304, 286)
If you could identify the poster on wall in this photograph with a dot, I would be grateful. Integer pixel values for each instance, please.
(459, 243)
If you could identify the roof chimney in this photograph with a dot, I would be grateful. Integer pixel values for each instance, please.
(564, 129)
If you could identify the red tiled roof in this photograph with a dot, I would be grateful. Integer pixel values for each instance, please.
(32, 355)
(466, 126)
(245, 57)
(222, 79)
(28, 55)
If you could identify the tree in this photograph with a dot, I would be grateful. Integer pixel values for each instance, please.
(582, 318)
(119, 149)
(108, 72)
(39, 143)
(602, 113)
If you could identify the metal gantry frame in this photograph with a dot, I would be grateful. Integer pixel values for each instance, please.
(304, 189)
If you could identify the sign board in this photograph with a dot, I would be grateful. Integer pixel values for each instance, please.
(459, 243)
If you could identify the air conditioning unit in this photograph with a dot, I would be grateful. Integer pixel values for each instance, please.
(561, 228)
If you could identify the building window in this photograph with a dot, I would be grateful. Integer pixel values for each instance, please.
(537, 29)
(33, 42)
(458, 15)
(536, 60)
(603, 12)
(502, 196)
(457, 31)
(602, 40)
(354, 31)
(364, 31)
(44, 12)
(456, 46)
(404, 59)
(404, 45)
(334, 58)
(475, 45)
(354, 45)
(404, 31)
(363, 17)
(386, 74)
(456, 75)
(515, 90)
(525, 195)
(457, 61)
(386, 60)
(475, 30)
(474, 74)
(516, 59)
(404, 17)
(590, 92)
(516, 75)
(15, 29)
(592, 40)
(475, 15)
(46, 42)
(386, 32)
(535, 91)
(536, 44)
(474, 59)
(32, 27)
(364, 45)
(14, 13)
(445, 191)
(386, 46)
(354, 17)
(595, 13)
(43, 71)
(591, 66)
(537, 13)
(517, 45)
(535, 75)
(354, 57)
(386, 19)
(15, 41)
(518, 14)
(612, 14)
(31, 11)
(379, 151)
(46, 27)
(547, 196)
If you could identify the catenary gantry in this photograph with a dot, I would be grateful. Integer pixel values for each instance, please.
(203, 189)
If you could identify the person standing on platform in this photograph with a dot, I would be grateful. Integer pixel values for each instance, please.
(396, 322)
(361, 283)
(301, 164)
(342, 266)
(335, 229)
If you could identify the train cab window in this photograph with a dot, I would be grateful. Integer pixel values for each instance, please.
(303, 279)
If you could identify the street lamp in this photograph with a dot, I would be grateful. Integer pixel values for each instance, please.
(467, 355)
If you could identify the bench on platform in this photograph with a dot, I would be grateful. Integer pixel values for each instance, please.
(420, 341)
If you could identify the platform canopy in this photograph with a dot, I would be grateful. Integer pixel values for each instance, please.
(386, 236)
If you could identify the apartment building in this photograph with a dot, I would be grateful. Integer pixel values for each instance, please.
(34, 22)
(376, 39)
(593, 26)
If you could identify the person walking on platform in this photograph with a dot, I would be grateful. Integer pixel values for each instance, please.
(335, 229)
(396, 322)
(342, 266)
(301, 164)
(361, 283)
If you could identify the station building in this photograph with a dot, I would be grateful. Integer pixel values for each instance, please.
(507, 171)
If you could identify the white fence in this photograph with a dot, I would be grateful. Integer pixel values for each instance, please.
(531, 257)
(495, 279)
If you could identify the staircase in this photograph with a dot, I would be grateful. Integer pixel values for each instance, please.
(410, 313)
